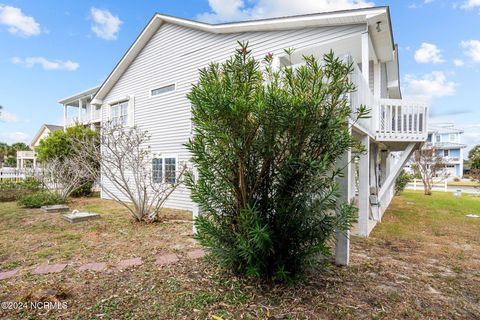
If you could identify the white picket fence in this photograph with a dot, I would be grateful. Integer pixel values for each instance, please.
(417, 184)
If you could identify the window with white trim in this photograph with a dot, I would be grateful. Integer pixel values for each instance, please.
(157, 170)
(437, 138)
(164, 170)
(446, 153)
(162, 90)
(119, 113)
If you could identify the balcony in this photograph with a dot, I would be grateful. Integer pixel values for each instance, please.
(25, 154)
(87, 117)
(394, 120)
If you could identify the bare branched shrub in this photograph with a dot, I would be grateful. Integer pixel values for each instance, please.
(125, 171)
(430, 166)
(62, 175)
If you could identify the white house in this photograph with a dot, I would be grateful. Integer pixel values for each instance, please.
(24, 156)
(446, 139)
(148, 88)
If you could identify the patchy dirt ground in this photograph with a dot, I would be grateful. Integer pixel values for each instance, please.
(421, 262)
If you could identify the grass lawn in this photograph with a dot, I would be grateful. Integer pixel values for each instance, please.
(422, 261)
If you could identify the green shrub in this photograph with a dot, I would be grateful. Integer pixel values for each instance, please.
(401, 183)
(265, 147)
(12, 190)
(83, 191)
(38, 199)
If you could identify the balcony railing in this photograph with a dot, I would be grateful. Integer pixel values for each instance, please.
(389, 119)
(25, 154)
(87, 117)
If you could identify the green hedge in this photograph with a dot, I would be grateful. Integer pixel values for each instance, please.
(39, 199)
(11, 190)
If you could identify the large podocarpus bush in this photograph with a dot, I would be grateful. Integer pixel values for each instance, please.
(265, 145)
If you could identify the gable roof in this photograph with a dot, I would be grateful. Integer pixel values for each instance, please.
(370, 16)
(50, 127)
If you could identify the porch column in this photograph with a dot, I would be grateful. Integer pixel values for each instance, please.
(342, 245)
(18, 163)
(80, 109)
(34, 163)
(21, 163)
(366, 56)
(65, 116)
(364, 188)
(384, 155)
(195, 209)
(377, 75)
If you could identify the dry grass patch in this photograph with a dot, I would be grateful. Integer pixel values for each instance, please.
(421, 262)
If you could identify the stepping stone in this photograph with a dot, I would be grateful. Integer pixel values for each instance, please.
(49, 268)
(75, 217)
(55, 208)
(166, 259)
(196, 254)
(8, 274)
(94, 266)
(124, 264)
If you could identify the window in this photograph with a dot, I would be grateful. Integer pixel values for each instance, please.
(164, 170)
(170, 170)
(446, 153)
(119, 113)
(437, 138)
(162, 90)
(453, 137)
(157, 170)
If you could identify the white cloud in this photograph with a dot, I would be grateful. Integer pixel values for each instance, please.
(429, 86)
(17, 22)
(231, 10)
(12, 137)
(47, 64)
(458, 62)
(472, 49)
(106, 25)
(428, 53)
(470, 4)
(7, 117)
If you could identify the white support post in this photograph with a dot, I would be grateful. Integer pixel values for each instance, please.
(377, 74)
(364, 188)
(195, 209)
(342, 245)
(34, 163)
(80, 109)
(366, 56)
(18, 164)
(65, 116)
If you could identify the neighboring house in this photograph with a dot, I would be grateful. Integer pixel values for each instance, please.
(30, 156)
(446, 139)
(148, 88)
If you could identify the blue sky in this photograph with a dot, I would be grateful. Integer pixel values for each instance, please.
(52, 49)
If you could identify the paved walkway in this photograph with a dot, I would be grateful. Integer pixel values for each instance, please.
(162, 259)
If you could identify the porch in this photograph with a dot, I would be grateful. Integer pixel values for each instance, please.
(85, 113)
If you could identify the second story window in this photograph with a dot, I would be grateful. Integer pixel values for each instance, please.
(162, 90)
(119, 113)
(453, 138)
(437, 138)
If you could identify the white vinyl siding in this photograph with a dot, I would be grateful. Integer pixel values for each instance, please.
(174, 55)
